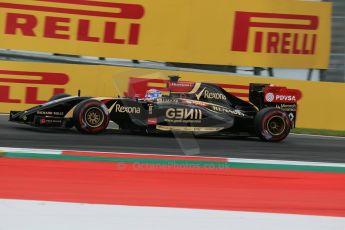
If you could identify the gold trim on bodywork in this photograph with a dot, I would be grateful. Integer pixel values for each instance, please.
(102, 98)
(196, 88)
(112, 107)
(70, 113)
(207, 104)
(188, 129)
(193, 91)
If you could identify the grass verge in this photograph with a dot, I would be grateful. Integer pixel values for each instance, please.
(319, 132)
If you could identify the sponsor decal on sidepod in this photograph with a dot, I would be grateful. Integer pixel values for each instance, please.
(226, 110)
(183, 115)
(210, 95)
(271, 97)
(126, 109)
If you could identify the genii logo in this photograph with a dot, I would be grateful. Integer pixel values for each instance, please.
(13, 83)
(184, 114)
(299, 36)
(119, 20)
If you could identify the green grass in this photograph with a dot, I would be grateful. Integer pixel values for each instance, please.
(319, 132)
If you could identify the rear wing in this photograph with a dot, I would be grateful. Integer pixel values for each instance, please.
(266, 95)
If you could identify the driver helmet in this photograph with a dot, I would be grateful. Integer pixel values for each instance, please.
(152, 94)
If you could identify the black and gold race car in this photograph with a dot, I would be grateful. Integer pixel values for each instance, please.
(198, 108)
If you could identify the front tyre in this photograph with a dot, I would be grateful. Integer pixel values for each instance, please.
(272, 124)
(91, 117)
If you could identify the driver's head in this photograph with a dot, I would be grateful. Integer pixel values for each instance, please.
(152, 94)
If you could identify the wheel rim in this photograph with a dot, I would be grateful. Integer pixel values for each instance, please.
(276, 125)
(94, 117)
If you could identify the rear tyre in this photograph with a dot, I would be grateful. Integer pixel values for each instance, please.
(59, 96)
(272, 124)
(91, 117)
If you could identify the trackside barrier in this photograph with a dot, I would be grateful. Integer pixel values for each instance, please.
(23, 85)
(265, 33)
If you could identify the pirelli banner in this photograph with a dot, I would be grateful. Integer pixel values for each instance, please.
(24, 85)
(265, 33)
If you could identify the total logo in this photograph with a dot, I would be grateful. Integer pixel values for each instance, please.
(271, 97)
(210, 95)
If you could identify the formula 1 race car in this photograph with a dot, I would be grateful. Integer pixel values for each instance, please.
(198, 108)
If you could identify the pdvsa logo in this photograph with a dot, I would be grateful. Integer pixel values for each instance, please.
(275, 33)
(271, 97)
(286, 98)
(118, 22)
(24, 86)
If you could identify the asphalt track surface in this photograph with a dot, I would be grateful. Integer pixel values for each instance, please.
(295, 147)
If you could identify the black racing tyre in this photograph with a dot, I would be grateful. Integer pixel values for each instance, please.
(59, 96)
(91, 117)
(272, 124)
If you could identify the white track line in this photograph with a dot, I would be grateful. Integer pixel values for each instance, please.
(315, 135)
(27, 150)
(282, 162)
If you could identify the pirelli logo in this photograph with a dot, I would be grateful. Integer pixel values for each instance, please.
(275, 33)
(74, 20)
(24, 86)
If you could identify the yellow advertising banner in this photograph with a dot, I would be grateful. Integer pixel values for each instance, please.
(265, 33)
(23, 85)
